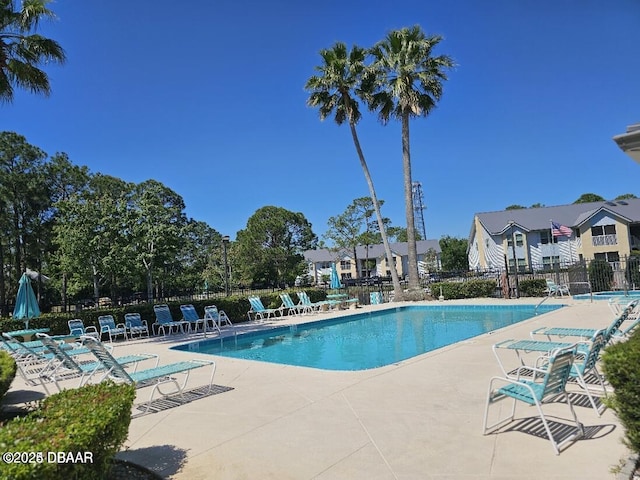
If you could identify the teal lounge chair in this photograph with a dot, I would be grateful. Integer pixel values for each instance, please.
(76, 327)
(258, 310)
(155, 377)
(612, 331)
(306, 301)
(164, 321)
(65, 367)
(545, 386)
(108, 326)
(32, 358)
(216, 318)
(291, 307)
(586, 364)
(376, 298)
(587, 355)
(135, 325)
(189, 314)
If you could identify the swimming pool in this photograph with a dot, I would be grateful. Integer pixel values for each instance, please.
(631, 294)
(367, 340)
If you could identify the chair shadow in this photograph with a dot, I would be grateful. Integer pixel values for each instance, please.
(173, 401)
(162, 460)
(560, 430)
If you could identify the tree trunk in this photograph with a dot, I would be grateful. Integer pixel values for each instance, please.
(63, 294)
(397, 289)
(149, 286)
(96, 285)
(355, 259)
(4, 311)
(412, 253)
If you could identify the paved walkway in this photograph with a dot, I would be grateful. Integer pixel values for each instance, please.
(418, 419)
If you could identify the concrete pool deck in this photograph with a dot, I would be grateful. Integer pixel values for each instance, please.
(418, 419)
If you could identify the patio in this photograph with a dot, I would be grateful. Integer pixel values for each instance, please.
(419, 419)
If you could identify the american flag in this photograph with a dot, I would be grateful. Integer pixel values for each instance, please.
(558, 230)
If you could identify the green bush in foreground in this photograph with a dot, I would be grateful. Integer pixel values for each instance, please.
(7, 372)
(621, 365)
(89, 424)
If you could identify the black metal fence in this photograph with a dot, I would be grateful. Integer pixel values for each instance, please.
(581, 277)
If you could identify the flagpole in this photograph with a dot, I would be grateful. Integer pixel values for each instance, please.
(557, 249)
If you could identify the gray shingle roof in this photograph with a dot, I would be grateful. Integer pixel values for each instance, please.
(375, 251)
(570, 215)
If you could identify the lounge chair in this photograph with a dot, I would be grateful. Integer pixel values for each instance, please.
(189, 314)
(135, 325)
(586, 364)
(76, 327)
(164, 321)
(376, 298)
(290, 306)
(553, 289)
(259, 311)
(32, 358)
(108, 326)
(65, 367)
(306, 301)
(587, 355)
(156, 377)
(612, 331)
(216, 318)
(545, 386)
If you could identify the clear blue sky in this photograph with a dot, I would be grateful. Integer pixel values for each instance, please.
(208, 98)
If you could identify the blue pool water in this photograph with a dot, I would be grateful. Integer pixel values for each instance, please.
(367, 340)
(631, 295)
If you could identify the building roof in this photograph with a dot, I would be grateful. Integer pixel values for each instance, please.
(573, 215)
(629, 142)
(375, 251)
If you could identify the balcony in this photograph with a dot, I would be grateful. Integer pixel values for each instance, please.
(603, 240)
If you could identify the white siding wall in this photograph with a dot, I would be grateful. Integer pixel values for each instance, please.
(474, 256)
(493, 251)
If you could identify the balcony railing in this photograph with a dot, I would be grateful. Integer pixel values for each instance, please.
(602, 240)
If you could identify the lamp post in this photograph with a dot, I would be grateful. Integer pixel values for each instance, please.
(225, 241)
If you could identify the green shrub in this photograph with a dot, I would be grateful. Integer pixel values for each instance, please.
(600, 275)
(7, 372)
(469, 289)
(93, 419)
(621, 365)
(532, 287)
(236, 307)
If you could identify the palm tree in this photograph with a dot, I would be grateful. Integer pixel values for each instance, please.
(22, 50)
(409, 84)
(342, 75)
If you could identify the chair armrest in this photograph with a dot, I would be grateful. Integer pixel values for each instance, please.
(91, 328)
(121, 325)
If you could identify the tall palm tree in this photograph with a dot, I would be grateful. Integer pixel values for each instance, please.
(341, 78)
(22, 50)
(409, 80)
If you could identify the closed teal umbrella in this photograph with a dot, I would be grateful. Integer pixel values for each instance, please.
(26, 302)
(335, 280)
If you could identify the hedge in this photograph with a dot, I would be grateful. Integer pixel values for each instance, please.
(93, 419)
(469, 289)
(621, 366)
(532, 287)
(7, 372)
(236, 307)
